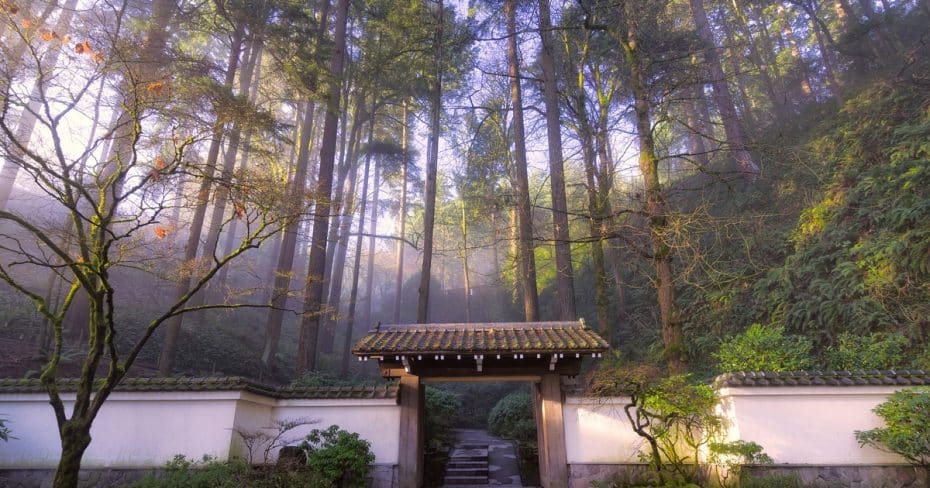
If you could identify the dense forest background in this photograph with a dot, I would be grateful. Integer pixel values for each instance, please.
(679, 174)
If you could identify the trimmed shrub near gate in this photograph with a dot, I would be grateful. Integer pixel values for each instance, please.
(339, 458)
(512, 418)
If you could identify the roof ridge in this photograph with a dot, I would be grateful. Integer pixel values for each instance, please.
(860, 377)
(209, 383)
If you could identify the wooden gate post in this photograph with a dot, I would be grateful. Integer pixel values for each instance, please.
(552, 449)
(410, 460)
(543, 461)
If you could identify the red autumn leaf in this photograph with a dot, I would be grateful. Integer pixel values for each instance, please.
(27, 24)
(98, 57)
(160, 232)
(84, 48)
(160, 163)
(155, 87)
(240, 210)
(48, 35)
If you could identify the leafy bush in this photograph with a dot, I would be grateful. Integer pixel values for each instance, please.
(676, 419)
(320, 379)
(771, 481)
(874, 351)
(476, 408)
(338, 458)
(512, 417)
(729, 458)
(765, 348)
(442, 410)
(907, 431)
(210, 473)
(860, 260)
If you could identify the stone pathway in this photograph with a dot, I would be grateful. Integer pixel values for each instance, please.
(482, 460)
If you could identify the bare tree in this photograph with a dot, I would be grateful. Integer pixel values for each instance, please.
(112, 213)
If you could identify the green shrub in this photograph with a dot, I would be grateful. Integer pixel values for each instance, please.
(210, 473)
(771, 481)
(320, 379)
(442, 410)
(512, 417)
(729, 458)
(874, 351)
(338, 458)
(907, 426)
(765, 348)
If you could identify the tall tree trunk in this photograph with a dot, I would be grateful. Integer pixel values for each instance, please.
(517, 284)
(309, 327)
(465, 278)
(601, 298)
(731, 124)
(372, 229)
(340, 237)
(585, 132)
(524, 212)
(807, 91)
(826, 55)
(27, 119)
(734, 55)
(229, 244)
(605, 184)
(347, 139)
(765, 70)
(273, 250)
(500, 303)
(285, 263)
(353, 292)
(565, 282)
(697, 148)
(655, 202)
(291, 233)
(218, 217)
(432, 162)
(173, 326)
(768, 56)
(402, 215)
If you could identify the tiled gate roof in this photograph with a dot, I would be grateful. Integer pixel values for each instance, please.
(481, 338)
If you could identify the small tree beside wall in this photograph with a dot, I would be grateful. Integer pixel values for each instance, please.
(907, 427)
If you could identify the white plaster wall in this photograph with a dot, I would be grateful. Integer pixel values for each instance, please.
(147, 429)
(253, 414)
(377, 421)
(597, 431)
(812, 425)
(132, 429)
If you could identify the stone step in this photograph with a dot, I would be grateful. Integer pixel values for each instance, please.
(466, 480)
(458, 454)
(467, 464)
(468, 445)
(467, 471)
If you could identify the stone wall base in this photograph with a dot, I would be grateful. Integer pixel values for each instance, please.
(865, 476)
(582, 475)
(382, 476)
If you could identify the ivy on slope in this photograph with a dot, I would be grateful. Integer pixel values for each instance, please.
(861, 259)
